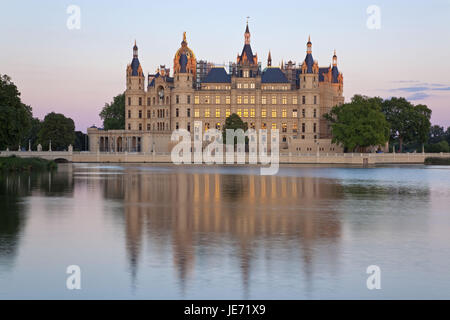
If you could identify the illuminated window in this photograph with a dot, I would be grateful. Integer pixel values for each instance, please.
(263, 125)
(274, 125)
(284, 113)
(274, 100)
(218, 125)
(227, 100)
(252, 85)
(245, 100)
(217, 113)
(274, 113)
(263, 100)
(196, 113)
(239, 100)
(263, 113)
(239, 85)
(239, 112)
(206, 99)
(227, 113)
(294, 113)
(294, 127)
(252, 113)
(252, 100)
(245, 85)
(284, 127)
(207, 113)
(245, 113)
(284, 100)
(217, 99)
(294, 100)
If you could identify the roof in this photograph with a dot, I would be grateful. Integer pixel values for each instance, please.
(322, 71)
(134, 66)
(273, 75)
(309, 63)
(248, 52)
(183, 63)
(217, 75)
(334, 74)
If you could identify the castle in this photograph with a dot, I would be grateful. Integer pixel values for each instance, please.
(290, 98)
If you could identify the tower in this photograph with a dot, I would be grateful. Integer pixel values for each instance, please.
(269, 60)
(135, 93)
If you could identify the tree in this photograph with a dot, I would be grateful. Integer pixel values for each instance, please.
(437, 134)
(15, 117)
(113, 114)
(441, 146)
(408, 123)
(59, 129)
(359, 124)
(81, 141)
(234, 122)
(31, 136)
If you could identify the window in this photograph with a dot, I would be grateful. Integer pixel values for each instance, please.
(252, 113)
(129, 126)
(189, 99)
(177, 112)
(245, 113)
(177, 99)
(315, 113)
(294, 100)
(315, 99)
(274, 126)
(140, 114)
(217, 99)
(274, 100)
(227, 113)
(245, 85)
(218, 125)
(140, 101)
(217, 113)
(274, 113)
(263, 125)
(189, 126)
(315, 127)
(140, 126)
(303, 127)
(196, 113)
(239, 85)
(245, 100)
(227, 100)
(239, 100)
(294, 113)
(129, 101)
(239, 112)
(284, 100)
(207, 113)
(303, 113)
(252, 99)
(148, 101)
(188, 112)
(177, 126)
(252, 85)
(284, 127)
(206, 99)
(196, 100)
(154, 101)
(303, 99)
(263, 113)
(294, 127)
(284, 113)
(148, 114)
(129, 114)
(263, 100)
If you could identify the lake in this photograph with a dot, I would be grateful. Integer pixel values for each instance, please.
(225, 232)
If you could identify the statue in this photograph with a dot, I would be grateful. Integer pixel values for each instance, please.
(39, 147)
(70, 148)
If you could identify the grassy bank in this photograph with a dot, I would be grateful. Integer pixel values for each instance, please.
(440, 161)
(14, 163)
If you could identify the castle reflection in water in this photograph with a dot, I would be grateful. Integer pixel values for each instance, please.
(200, 213)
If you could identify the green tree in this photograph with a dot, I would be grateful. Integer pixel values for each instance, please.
(32, 135)
(59, 129)
(408, 123)
(113, 114)
(15, 117)
(359, 124)
(234, 122)
(441, 146)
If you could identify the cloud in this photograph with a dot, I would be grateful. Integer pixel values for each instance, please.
(418, 96)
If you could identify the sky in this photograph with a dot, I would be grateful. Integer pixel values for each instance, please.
(77, 71)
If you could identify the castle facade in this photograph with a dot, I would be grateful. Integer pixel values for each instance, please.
(290, 98)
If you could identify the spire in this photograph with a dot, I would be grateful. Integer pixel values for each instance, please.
(184, 42)
(269, 60)
(135, 50)
(334, 59)
(247, 34)
(309, 45)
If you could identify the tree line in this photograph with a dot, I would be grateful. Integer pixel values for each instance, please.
(19, 128)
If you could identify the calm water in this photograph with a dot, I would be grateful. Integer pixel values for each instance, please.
(168, 232)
